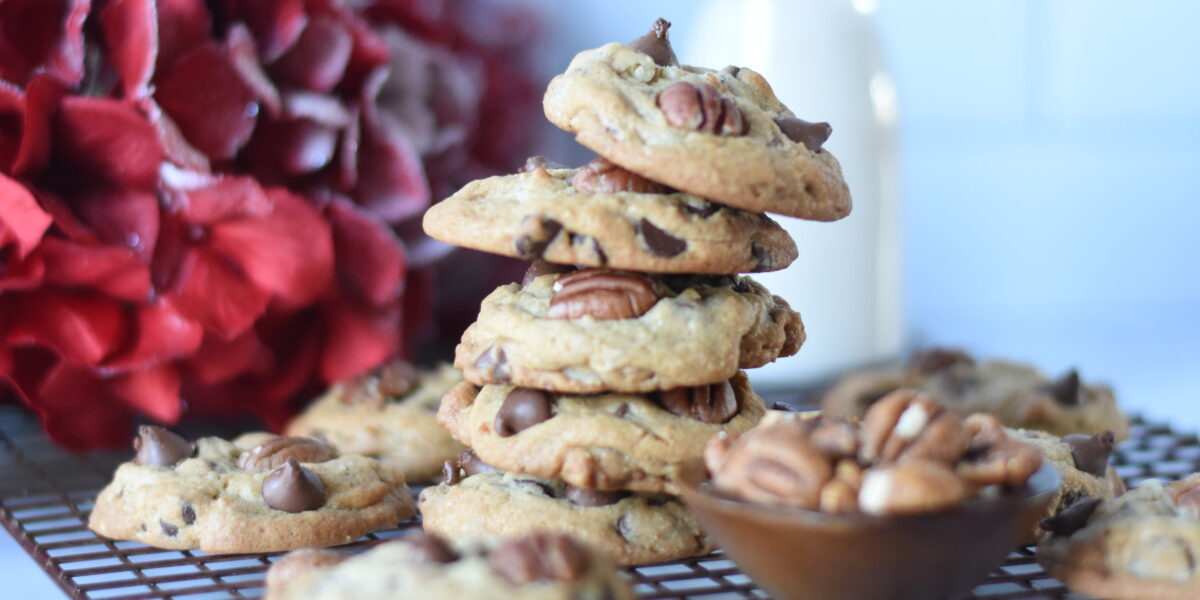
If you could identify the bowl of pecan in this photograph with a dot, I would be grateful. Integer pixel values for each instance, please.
(911, 503)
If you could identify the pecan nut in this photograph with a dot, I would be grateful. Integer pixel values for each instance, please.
(700, 107)
(601, 294)
(993, 457)
(716, 403)
(601, 176)
(772, 464)
(541, 556)
(277, 450)
(1186, 495)
(909, 487)
(910, 425)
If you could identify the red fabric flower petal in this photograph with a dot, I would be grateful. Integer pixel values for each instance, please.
(114, 270)
(291, 147)
(52, 388)
(22, 221)
(131, 33)
(121, 217)
(12, 115)
(206, 96)
(153, 391)
(82, 327)
(45, 34)
(176, 147)
(276, 24)
(218, 360)
(391, 180)
(17, 274)
(289, 253)
(245, 59)
(106, 140)
(65, 62)
(159, 334)
(370, 258)
(357, 339)
(215, 292)
(42, 98)
(223, 198)
(318, 59)
(65, 219)
(182, 25)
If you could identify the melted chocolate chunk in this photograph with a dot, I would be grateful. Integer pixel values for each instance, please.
(812, 135)
(783, 407)
(657, 45)
(450, 473)
(586, 497)
(762, 257)
(540, 232)
(434, 547)
(522, 408)
(168, 529)
(658, 241)
(189, 514)
(1091, 452)
(1072, 518)
(541, 556)
(494, 363)
(471, 463)
(1066, 389)
(157, 446)
(704, 211)
(539, 267)
(293, 488)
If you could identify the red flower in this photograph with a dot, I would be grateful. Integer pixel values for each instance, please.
(202, 204)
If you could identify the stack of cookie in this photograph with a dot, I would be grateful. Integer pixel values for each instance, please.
(619, 354)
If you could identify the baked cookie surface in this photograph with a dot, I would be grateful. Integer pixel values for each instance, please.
(611, 441)
(258, 493)
(594, 331)
(728, 142)
(633, 529)
(1019, 394)
(1141, 545)
(542, 214)
(389, 414)
(538, 567)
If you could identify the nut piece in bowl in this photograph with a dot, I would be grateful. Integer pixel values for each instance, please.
(913, 503)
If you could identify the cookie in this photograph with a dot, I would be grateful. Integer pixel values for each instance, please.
(1082, 462)
(613, 441)
(1019, 394)
(258, 493)
(535, 567)
(631, 529)
(578, 217)
(721, 135)
(597, 330)
(389, 414)
(1141, 545)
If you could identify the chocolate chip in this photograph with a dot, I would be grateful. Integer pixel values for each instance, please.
(157, 446)
(586, 497)
(782, 406)
(293, 488)
(621, 410)
(704, 211)
(601, 257)
(658, 241)
(434, 547)
(539, 162)
(450, 473)
(933, 360)
(471, 464)
(522, 408)
(1091, 452)
(1066, 389)
(537, 234)
(189, 514)
(763, 261)
(494, 364)
(716, 403)
(537, 268)
(812, 135)
(168, 528)
(657, 45)
(1072, 518)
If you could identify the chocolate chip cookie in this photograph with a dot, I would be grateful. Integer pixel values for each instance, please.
(1141, 545)
(602, 215)
(597, 330)
(390, 414)
(632, 529)
(258, 493)
(539, 566)
(721, 135)
(612, 441)
(1082, 461)
(1019, 394)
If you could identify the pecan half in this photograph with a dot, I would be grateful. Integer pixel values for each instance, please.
(771, 464)
(277, 450)
(700, 107)
(716, 403)
(910, 425)
(602, 176)
(541, 556)
(915, 486)
(601, 294)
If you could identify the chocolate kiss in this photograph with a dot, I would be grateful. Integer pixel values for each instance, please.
(1091, 452)
(812, 135)
(293, 488)
(1072, 518)
(157, 446)
(657, 45)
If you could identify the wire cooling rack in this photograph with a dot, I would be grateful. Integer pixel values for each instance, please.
(46, 493)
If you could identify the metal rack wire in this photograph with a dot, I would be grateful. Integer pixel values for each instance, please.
(46, 493)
